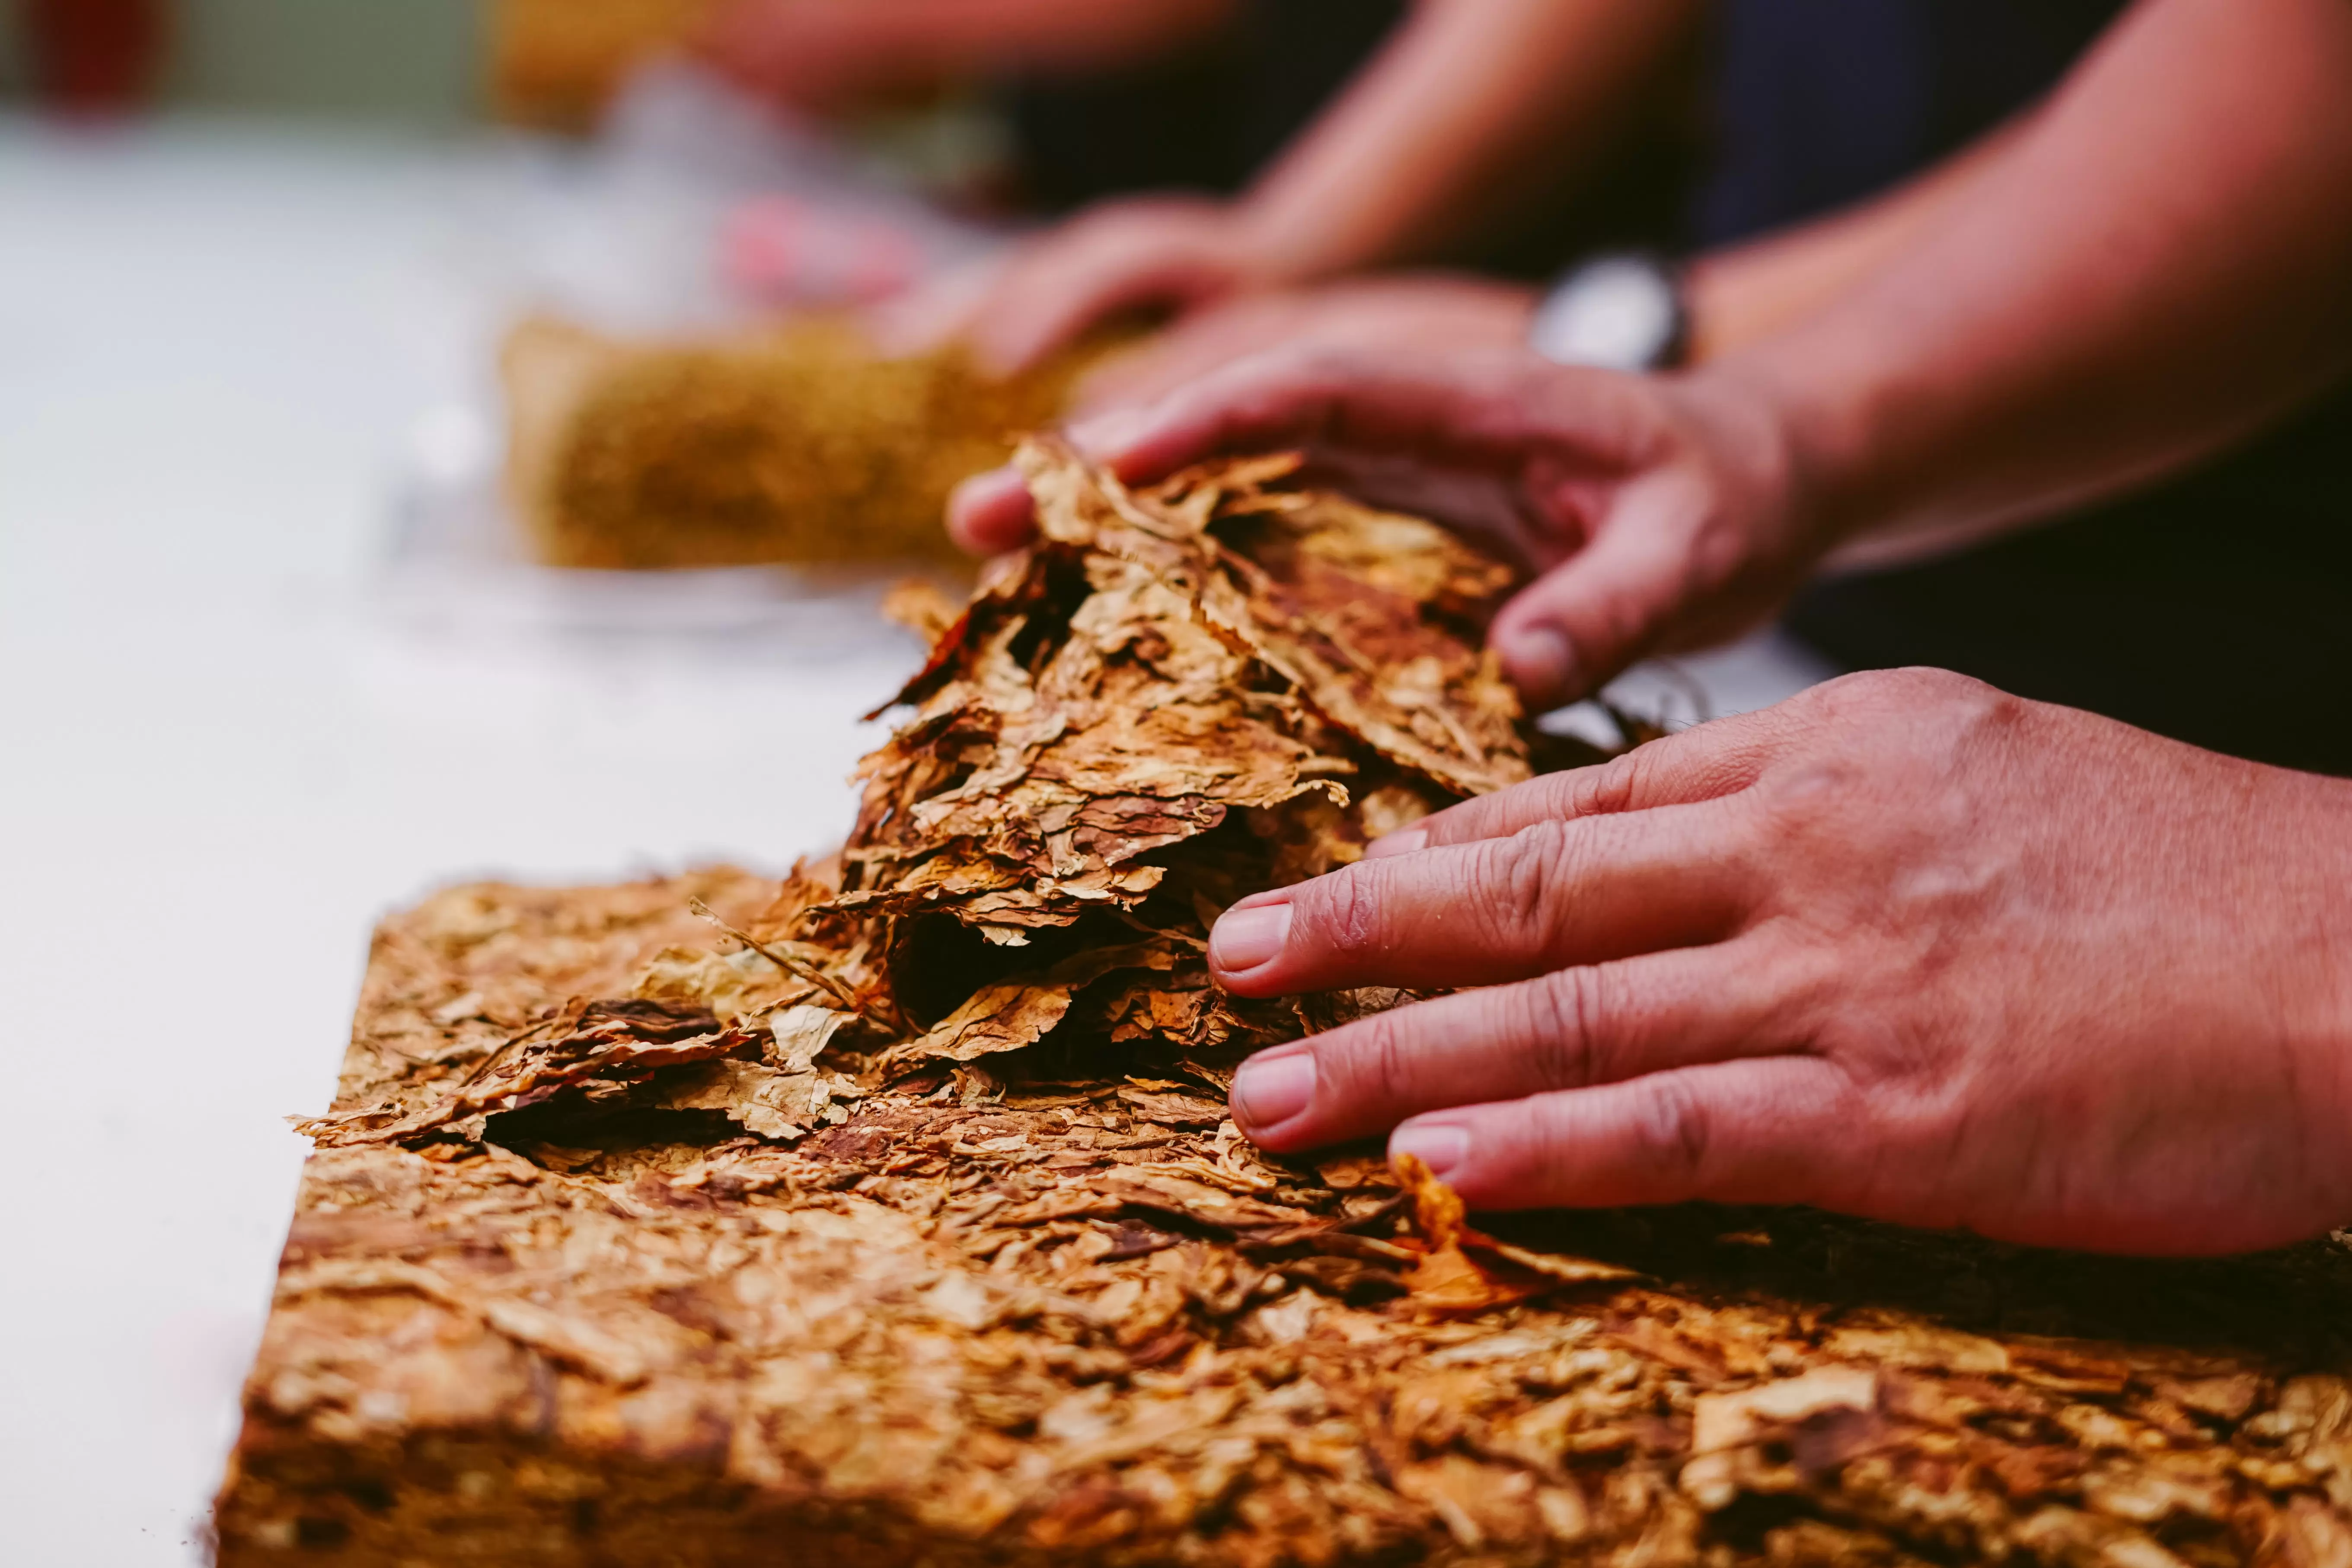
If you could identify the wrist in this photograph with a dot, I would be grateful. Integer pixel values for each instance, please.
(1877, 444)
(2315, 987)
(1762, 439)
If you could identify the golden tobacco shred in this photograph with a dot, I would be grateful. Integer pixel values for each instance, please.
(793, 445)
(899, 1218)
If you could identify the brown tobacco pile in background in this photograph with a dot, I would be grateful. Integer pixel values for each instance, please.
(793, 444)
(907, 1224)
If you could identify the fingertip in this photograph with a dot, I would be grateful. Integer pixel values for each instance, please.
(1246, 942)
(991, 512)
(1272, 1091)
(1443, 1146)
(1541, 661)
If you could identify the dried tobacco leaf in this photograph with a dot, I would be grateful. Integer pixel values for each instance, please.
(903, 1222)
(1177, 696)
(795, 445)
(1008, 1321)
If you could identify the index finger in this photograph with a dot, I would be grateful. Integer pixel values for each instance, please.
(1482, 407)
(991, 513)
(1705, 762)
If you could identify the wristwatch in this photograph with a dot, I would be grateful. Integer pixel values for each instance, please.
(1622, 310)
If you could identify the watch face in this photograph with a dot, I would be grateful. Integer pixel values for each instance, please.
(1619, 313)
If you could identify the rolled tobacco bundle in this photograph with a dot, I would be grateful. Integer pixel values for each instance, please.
(905, 1223)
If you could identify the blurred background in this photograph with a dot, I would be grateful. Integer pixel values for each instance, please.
(411, 62)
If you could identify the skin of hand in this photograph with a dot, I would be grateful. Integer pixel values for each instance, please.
(1904, 947)
(1654, 512)
(1430, 313)
(1137, 254)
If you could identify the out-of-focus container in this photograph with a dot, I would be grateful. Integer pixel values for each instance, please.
(94, 58)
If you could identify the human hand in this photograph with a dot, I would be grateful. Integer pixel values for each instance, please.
(1902, 946)
(1146, 252)
(1427, 314)
(1657, 513)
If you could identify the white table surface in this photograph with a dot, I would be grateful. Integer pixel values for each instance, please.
(219, 760)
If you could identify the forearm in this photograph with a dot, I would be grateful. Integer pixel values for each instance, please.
(1472, 101)
(1744, 294)
(2157, 266)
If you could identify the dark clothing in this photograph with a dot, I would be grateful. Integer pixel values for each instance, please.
(2216, 609)
(1819, 103)
(2216, 606)
(1205, 120)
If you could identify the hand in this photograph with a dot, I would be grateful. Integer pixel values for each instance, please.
(1660, 512)
(1149, 253)
(1902, 946)
(1429, 315)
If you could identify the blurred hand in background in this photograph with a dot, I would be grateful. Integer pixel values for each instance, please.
(1474, 110)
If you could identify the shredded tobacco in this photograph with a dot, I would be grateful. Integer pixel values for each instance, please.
(908, 1224)
(795, 444)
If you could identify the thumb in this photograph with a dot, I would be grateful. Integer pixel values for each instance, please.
(1568, 632)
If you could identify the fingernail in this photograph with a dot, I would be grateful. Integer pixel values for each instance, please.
(1245, 937)
(1268, 1091)
(1104, 435)
(1538, 659)
(1439, 1146)
(979, 489)
(1403, 842)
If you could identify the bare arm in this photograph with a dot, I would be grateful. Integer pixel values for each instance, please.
(2158, 265)
(1737, 296)
(1747, 292)
(1437, 137)
(1442, 132)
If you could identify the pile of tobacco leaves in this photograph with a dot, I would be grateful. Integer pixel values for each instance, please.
(1177, 696)
(904, 1220)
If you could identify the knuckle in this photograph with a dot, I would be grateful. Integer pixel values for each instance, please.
(1344, 911)
(1669, 1136)
(1380, 1062)
(1516, 882)
(1887, 693)
(1613, 787)
(1566, 1013)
